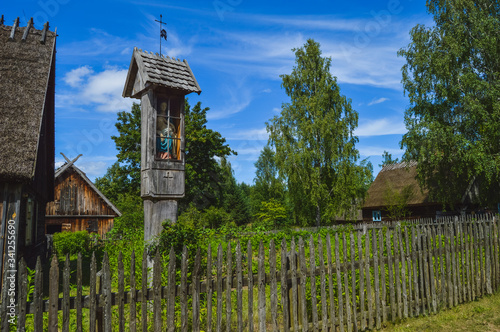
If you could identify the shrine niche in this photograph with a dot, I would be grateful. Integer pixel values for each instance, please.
(161, 83)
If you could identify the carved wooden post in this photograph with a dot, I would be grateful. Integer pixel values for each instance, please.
(161, 84)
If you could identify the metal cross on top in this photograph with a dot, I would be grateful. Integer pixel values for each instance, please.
(163, 32)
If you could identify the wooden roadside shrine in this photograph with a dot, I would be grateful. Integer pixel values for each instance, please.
(161, 83)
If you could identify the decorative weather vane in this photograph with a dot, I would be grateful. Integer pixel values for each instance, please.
(163, 32)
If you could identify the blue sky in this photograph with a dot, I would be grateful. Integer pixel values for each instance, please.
(237, 49)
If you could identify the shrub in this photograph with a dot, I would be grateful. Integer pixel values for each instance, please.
(72, 243)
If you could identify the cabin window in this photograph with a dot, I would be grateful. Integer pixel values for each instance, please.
(377, 216)
(30, 220)
(93, 226)
(168, 129)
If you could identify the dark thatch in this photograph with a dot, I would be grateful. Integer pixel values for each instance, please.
(158, 70)
(25, 73)
(396, 177)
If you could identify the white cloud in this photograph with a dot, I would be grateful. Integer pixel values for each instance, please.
(377, 101)
(105, 89)
(76, 76)
(381, 127)
(100, 90)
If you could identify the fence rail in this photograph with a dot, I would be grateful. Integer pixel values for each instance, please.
(352, 280)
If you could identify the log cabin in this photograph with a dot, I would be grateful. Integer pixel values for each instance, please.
(78, 205)
(27, 88)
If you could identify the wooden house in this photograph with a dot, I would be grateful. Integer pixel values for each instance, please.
(27, 82)
(398, 179)
(78, 205)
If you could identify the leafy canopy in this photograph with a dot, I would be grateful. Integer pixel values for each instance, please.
(314, 141)
(451, 76)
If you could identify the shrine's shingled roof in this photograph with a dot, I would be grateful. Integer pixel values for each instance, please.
(27, 67)
(159, 70)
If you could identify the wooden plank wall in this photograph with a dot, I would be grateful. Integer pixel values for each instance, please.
(73, 196)
(81, 224)
(354, 280)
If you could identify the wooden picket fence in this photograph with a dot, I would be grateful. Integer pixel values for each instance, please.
(352, 280)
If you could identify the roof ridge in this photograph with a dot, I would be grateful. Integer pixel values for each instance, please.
(400, 165)
(162, 56)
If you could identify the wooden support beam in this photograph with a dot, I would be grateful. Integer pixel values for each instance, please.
(13, 31)
(27, 29)
(43, 38)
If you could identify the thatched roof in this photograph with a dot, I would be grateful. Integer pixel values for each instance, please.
(26, 56)
(396, 177)
(152, 69)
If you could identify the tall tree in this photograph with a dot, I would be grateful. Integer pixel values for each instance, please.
(314, 141)
(452, 78)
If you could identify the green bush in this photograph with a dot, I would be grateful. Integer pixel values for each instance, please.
(72, 243)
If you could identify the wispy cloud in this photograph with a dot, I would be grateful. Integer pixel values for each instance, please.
(377, 101)
(381, 127)
(238, 98)
(265, 54)
(251, 134)
(318, 22)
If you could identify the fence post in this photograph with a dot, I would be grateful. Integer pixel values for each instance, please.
(53, 294)
(100, 326)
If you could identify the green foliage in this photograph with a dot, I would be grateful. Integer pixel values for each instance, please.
(267, 185)
(212, 217)
(272, 214)
(132, 218)
(204, 176)
(451, 76)
(234, 200)
(387, 159)
(396, 202)
(314, 141)
(30, 283)
(72, 243)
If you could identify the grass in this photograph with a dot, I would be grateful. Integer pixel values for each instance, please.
(480, 315)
